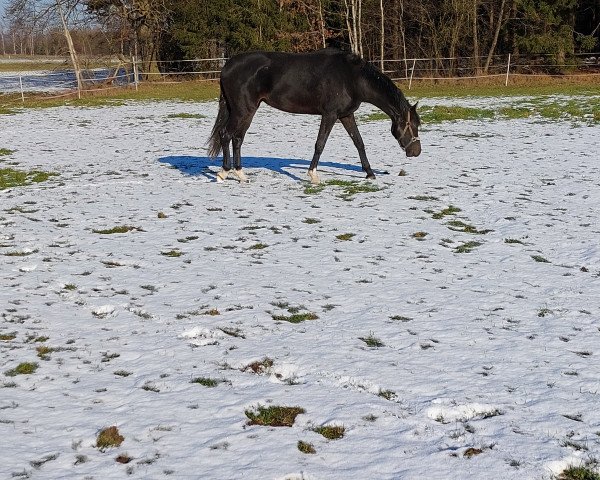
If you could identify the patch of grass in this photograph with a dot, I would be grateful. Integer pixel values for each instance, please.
(311, 189)
(188, 239)
(331, 432)
(387, 394)
(540, 259)
(344, 237)
(420, 235)
(471, 452)
(172, 253)
(274, 416)
(460, 226)
(445, 113)
(7, 111)
(43, 352)
(423, 198)
(306, 447)
(150, 387)
(348, 188)
(206, 381)
(109, 437)
(9, 177)
(467, 247)
(450, 210)
(513, 241)
(186, 115)
(7, 337)
(5, 151)
(70, 287)
(442, 113)
(122, 373)
(24, 368)
(311, 221)
(353, 187)
(232, 332)
(296, 313)
(260, 366)
(20, 253)
(372, 341)
(516, 112)
(574, 445)
(258, 246)
(400, 318)
(118, 229)
(296, 317)
(579, 473)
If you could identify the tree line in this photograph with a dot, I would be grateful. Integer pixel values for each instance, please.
(176, 30)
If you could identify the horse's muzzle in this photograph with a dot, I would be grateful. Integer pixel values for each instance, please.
(413, 150)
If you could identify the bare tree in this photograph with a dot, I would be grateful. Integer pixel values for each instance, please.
(354, 25)
(500, 21)
(147, 20)
(382, 38)
(35, 14)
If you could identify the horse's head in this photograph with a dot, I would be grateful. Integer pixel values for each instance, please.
(406, 130)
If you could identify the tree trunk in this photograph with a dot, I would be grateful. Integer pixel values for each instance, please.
(322, 24)
(382, 38)
(351, 36)
(475, 38)
(72, 51)
(495, 39)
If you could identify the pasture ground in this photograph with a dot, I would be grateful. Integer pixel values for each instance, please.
(439, 324)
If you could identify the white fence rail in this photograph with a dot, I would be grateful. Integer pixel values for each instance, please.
(63, 82)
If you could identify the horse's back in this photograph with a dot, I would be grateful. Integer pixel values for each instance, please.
(293, 82)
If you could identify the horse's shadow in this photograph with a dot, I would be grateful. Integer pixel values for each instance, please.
(201, 166)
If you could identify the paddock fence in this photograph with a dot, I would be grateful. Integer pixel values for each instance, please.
(61, 81)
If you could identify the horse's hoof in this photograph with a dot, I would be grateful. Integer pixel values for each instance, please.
(314, 178)
(371, 177)
(222, 175)
(241, 176)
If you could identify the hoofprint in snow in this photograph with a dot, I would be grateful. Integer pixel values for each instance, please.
(449, 343)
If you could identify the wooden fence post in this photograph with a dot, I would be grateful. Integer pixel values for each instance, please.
(135, 73)
(507, 71)
(21, 86)
(412, 72)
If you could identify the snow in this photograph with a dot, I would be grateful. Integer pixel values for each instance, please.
(488, 350)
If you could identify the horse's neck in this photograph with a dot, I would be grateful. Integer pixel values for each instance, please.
(388, 101)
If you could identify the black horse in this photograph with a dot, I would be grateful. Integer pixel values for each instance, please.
(328, 82)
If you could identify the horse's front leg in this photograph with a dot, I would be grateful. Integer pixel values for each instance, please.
(349, 124)
(327, 123)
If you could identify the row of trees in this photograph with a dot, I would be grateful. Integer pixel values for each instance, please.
(175, 30)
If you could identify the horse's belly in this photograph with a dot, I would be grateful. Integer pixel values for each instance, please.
(293, 105)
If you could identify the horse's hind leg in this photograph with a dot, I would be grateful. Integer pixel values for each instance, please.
(327, 123)
(225, 140)
(349, 124)
(240, 116)
(237, 140)
(237, 158)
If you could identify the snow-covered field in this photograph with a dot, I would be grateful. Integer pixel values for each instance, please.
(488, 360)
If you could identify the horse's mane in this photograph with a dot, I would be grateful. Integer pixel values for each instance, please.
(382, 82)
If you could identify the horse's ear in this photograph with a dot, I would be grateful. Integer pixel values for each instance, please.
(414, 107)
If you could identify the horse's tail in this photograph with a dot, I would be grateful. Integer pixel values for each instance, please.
(214, 141)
